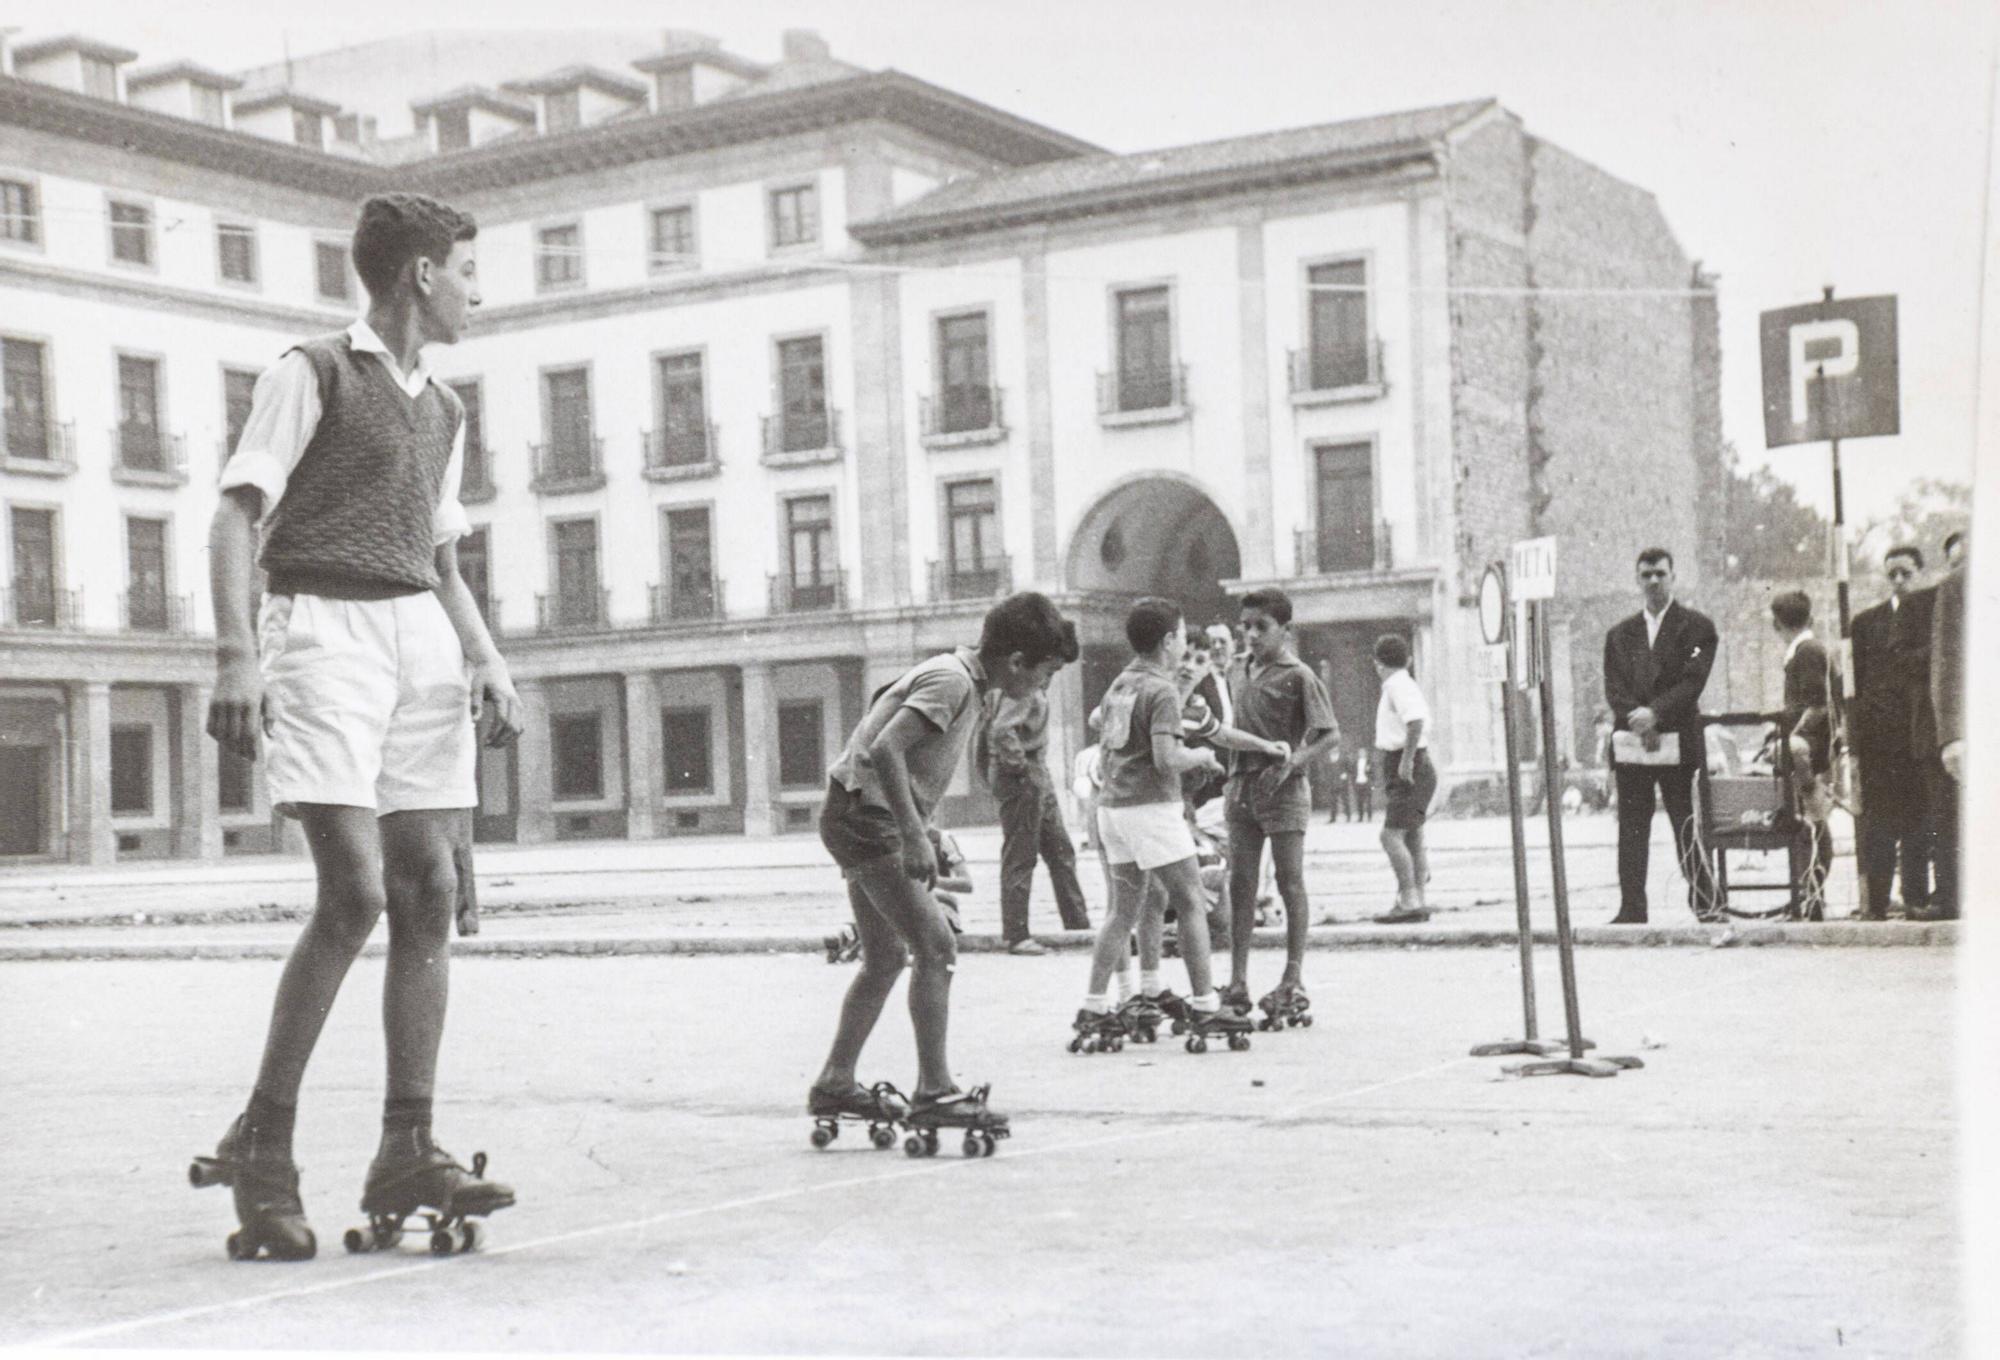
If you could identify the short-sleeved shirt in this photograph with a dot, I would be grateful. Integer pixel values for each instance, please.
(1141, 704)
(944, 691)
(1402, 703)
(1283, 701)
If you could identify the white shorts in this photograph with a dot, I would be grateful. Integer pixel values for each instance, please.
(1151, 835)
(366, 704)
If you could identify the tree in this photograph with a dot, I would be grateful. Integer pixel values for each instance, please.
(1929, 509)
(1767, 534)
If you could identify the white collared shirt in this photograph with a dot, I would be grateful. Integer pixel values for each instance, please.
(285, 411)
(1402, 703)
(1653, 620)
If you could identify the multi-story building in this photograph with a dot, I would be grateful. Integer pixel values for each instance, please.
(783, 373)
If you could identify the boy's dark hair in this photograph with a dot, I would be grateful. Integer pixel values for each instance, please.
(1793, 609)
(397, 228)
(1029, 624)
(1070, 650)
(1392, 651)
(1657, 555)
(1909, 550)
(1150, 620)
(1271, 600)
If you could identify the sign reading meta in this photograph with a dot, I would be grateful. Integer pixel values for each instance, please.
(1830, 371)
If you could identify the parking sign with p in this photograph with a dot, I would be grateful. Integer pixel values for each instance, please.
(1830, 371)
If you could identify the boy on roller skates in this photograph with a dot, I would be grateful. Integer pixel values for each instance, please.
(1276, 696)
(880, 794)
(356, 679)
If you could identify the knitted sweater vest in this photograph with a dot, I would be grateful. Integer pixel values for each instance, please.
(356, 512)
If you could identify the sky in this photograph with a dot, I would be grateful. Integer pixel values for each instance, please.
(1792, 144)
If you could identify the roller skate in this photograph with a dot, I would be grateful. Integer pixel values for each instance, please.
(1142, 1017)
(1222, 1022)
(954, 1109)
(1175, 1008)
(881, 1106)
(1097, 1032)
(1236, 997)
(271, 1219)
(1285, 1005)
(421, 1178)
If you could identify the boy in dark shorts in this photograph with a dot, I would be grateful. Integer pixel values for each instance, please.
(879, 798)
(1402, 736)
(1277, 697)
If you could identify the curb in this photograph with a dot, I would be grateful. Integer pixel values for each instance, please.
(1834, 934)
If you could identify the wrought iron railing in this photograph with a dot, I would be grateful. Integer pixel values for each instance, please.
(992, 577)
(821, 594)
(686, 602)
(1142, 389)
(962, 410)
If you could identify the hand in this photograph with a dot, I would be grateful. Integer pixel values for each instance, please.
(1642, 721)
(1406, 769)
(493, 695)
(919, 860)
(1650, 739)
(1953, 756)
(236, 712)
(1278, 750)
(1208, 761)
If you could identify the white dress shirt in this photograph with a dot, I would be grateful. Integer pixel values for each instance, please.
(1653, 622)
(1402, 703)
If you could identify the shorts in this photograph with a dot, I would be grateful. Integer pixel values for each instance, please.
(366, 704)
(1288, 808)
(1151, 835)
(1409, 800)
(856, 833)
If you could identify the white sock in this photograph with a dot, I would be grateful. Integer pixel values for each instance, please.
(1124, 981)
(1208, 1003)
(1096, 1005)
(1149, 982)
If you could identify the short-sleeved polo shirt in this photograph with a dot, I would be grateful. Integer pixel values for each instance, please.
(1282, 701)
(1142, 703)
(1402, 704)
(944, 691)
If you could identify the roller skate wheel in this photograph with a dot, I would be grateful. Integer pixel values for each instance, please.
(822, 1135)
(1197, 1044)
(239, 1247)
(914, 1146)
(971, 1147)
(1306, 1020)
(882, 1136)
(354, 1240)
(988, 1142)
(471, 1236)
(1238, 1042)
(1076, 1045)
(442, 1242)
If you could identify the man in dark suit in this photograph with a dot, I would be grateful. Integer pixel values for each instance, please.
(1894, 733)
(1948, 705)
(1806, 726)
(1656, 664)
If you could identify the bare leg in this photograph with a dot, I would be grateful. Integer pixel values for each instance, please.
(1182, 880)
(1128, 886)
(1288, 853)
(882, 956)
(1246, 858)
(421, 888)
(1407, 894)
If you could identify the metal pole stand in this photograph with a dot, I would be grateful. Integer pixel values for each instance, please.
(1575, 1064)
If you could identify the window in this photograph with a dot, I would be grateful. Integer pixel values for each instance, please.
(454, 129)
(239, 390)
(559, 256)
(566, 407)
(20, 217)
(673, 238)
(139, 443)
(476, 478)
(34, 535)
(308, 129)
(330, 271)
(683, 438)
(809, 551)
(233, 782)
(684, 749)
(795, 215)
(347, 127)
(208, 105)
(973, 528)
(1145, 349)
(576, 572)
(473, 557)
(1346, 505)
(965, 388)
(236, 252)
(131, 233)
(675, 88)
(802, 415)
(131, 770)
(577, 740)
(801, 738)
(563, 110)
(690, 563)
(146, 574)
(25, 414)
(100, 78)
(1337, 321)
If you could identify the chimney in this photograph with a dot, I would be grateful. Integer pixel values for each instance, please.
(678, 40)
(804, 45)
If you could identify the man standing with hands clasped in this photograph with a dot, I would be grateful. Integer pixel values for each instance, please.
(1656, 665)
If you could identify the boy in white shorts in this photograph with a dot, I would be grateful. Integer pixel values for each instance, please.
(356, 679)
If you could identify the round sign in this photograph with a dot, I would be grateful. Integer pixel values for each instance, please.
(1493, 606)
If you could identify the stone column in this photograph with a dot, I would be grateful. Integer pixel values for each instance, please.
(1258, 547)
(90, 836)
(1067, 735)
(1038, 409)
(881, 467)
(760, 754)
(534, 817)
(642, 757)
(197, 777)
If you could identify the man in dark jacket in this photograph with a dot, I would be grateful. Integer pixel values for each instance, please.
(1948, 704)
(1656, 664)
(1895, 736)
(1806, 726)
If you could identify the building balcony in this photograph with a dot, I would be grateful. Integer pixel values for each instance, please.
(139, 612)
(959, 416)
(682, 451)
(59, 610)
(45, 450)
(992, 578)
(567, 466)
(795, 438)
(573, 611)
(1143, 396)
(825, 594)
(687, 602)
(143, 456)
(1333, 377)
(1342, 555)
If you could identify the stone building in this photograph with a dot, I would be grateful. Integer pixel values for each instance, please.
(785, 371)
